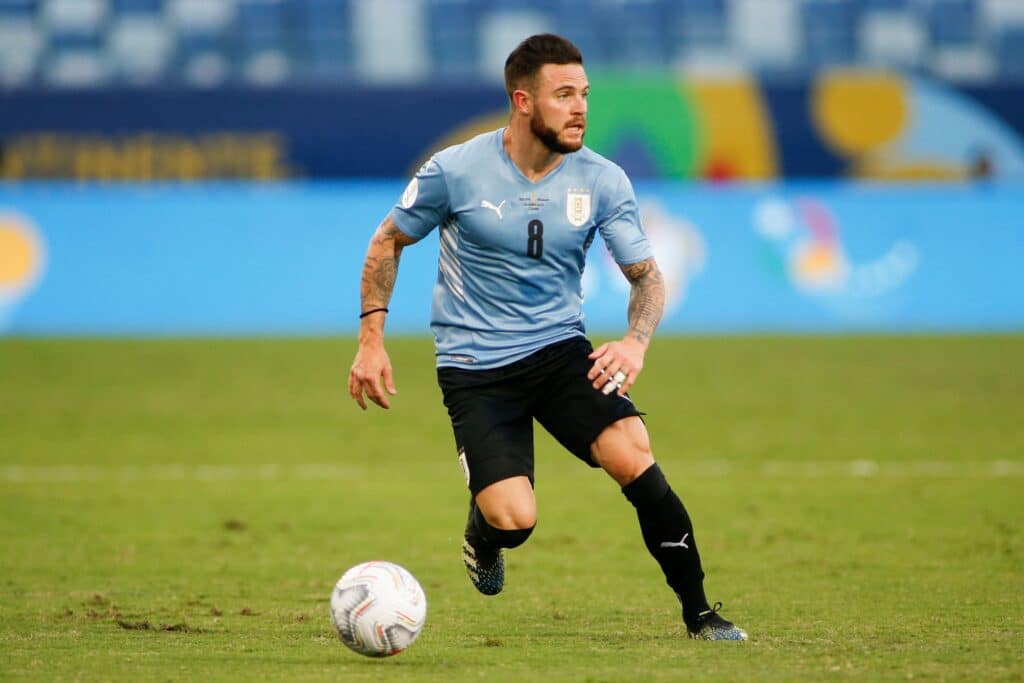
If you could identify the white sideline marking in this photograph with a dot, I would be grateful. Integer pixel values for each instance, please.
(774, 469)
(264, 472)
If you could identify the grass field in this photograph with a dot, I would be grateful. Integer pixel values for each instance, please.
(180, 510)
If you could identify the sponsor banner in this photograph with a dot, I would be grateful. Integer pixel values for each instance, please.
(234, 259)
(840, 124)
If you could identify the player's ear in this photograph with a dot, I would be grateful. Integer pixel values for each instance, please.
(521, 102)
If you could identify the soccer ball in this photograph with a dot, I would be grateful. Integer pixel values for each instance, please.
(378, 609)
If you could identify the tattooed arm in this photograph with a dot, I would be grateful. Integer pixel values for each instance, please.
(646, 299)
(646, 303)
(371, 369)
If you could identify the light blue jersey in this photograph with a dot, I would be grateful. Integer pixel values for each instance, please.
(512, 253)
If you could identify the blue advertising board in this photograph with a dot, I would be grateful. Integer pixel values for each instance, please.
(839, 124)
(242, 259)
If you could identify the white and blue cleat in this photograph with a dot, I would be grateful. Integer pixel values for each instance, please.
(710, 626)
(487, 577)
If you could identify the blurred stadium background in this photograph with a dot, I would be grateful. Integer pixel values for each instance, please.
(207, 43)
(803, 165)
(846, 173)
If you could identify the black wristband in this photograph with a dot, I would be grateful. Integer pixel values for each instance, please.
(373, 310)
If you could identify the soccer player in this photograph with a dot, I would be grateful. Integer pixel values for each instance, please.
(518, 208)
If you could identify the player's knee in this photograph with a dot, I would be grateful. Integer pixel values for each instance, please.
(512, 516)
(510, 528)
(633, 468)
(623, 450)
(508, 504)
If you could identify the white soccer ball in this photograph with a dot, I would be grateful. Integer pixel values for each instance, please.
(378, 609)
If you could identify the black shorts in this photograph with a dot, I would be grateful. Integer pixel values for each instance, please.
(492, 410)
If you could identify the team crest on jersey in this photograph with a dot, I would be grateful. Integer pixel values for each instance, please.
(577, 206)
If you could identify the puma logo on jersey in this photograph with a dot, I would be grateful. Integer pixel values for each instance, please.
(680, 544)
(496, 209)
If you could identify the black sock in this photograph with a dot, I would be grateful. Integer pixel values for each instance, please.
(486, 539)
(668, 534)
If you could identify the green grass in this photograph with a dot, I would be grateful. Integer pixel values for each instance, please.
(179, 510)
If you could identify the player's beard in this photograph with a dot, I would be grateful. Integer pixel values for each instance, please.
(549, 136)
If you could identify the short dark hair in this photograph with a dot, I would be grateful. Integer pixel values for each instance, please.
(530, 55)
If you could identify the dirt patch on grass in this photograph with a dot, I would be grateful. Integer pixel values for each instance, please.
(145, 625)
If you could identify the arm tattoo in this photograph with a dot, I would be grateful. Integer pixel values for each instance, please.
(380, 270)
(646, 299)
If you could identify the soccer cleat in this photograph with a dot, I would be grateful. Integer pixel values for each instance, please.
(488, 577)
(486, 568)
(710, 626)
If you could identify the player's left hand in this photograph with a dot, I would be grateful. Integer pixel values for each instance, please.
(616, 365)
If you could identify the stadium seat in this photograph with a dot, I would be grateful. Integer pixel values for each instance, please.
(635, 30)
(829, 32)
(766, 35)
(74, 56)
(891, 34)
(204, 48)
(201, 60)
(504, 27)
(324, 29)
(515, 6)
(24, 9)
(264, 48)
(577, 20)
(139, 46)
(76, 61)
(999, 15)
(202, 16)
(134, 7)
(887, 5)
(453, 40)
(74, 17)
(263, 23)
(951, 22)
(1010, 54)
(20, 42)
(453, 36)
(704, 34)
(390, 43)
(270, 42)
(698, 24)
(964, 64)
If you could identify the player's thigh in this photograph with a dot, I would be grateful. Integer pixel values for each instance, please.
(572, 411)
(493, 428)
(623, 450)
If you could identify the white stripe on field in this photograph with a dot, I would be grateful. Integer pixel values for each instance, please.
(774, 469)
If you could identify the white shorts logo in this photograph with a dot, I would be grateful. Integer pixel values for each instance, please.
(464, 464)
(411, 191)
(577, 207)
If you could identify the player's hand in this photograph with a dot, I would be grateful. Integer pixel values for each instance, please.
(371, 372)
(616, 365)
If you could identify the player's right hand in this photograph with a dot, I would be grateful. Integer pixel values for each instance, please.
(371, 372)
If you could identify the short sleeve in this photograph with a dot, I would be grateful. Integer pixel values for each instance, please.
(424, 204)
(619, 221)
